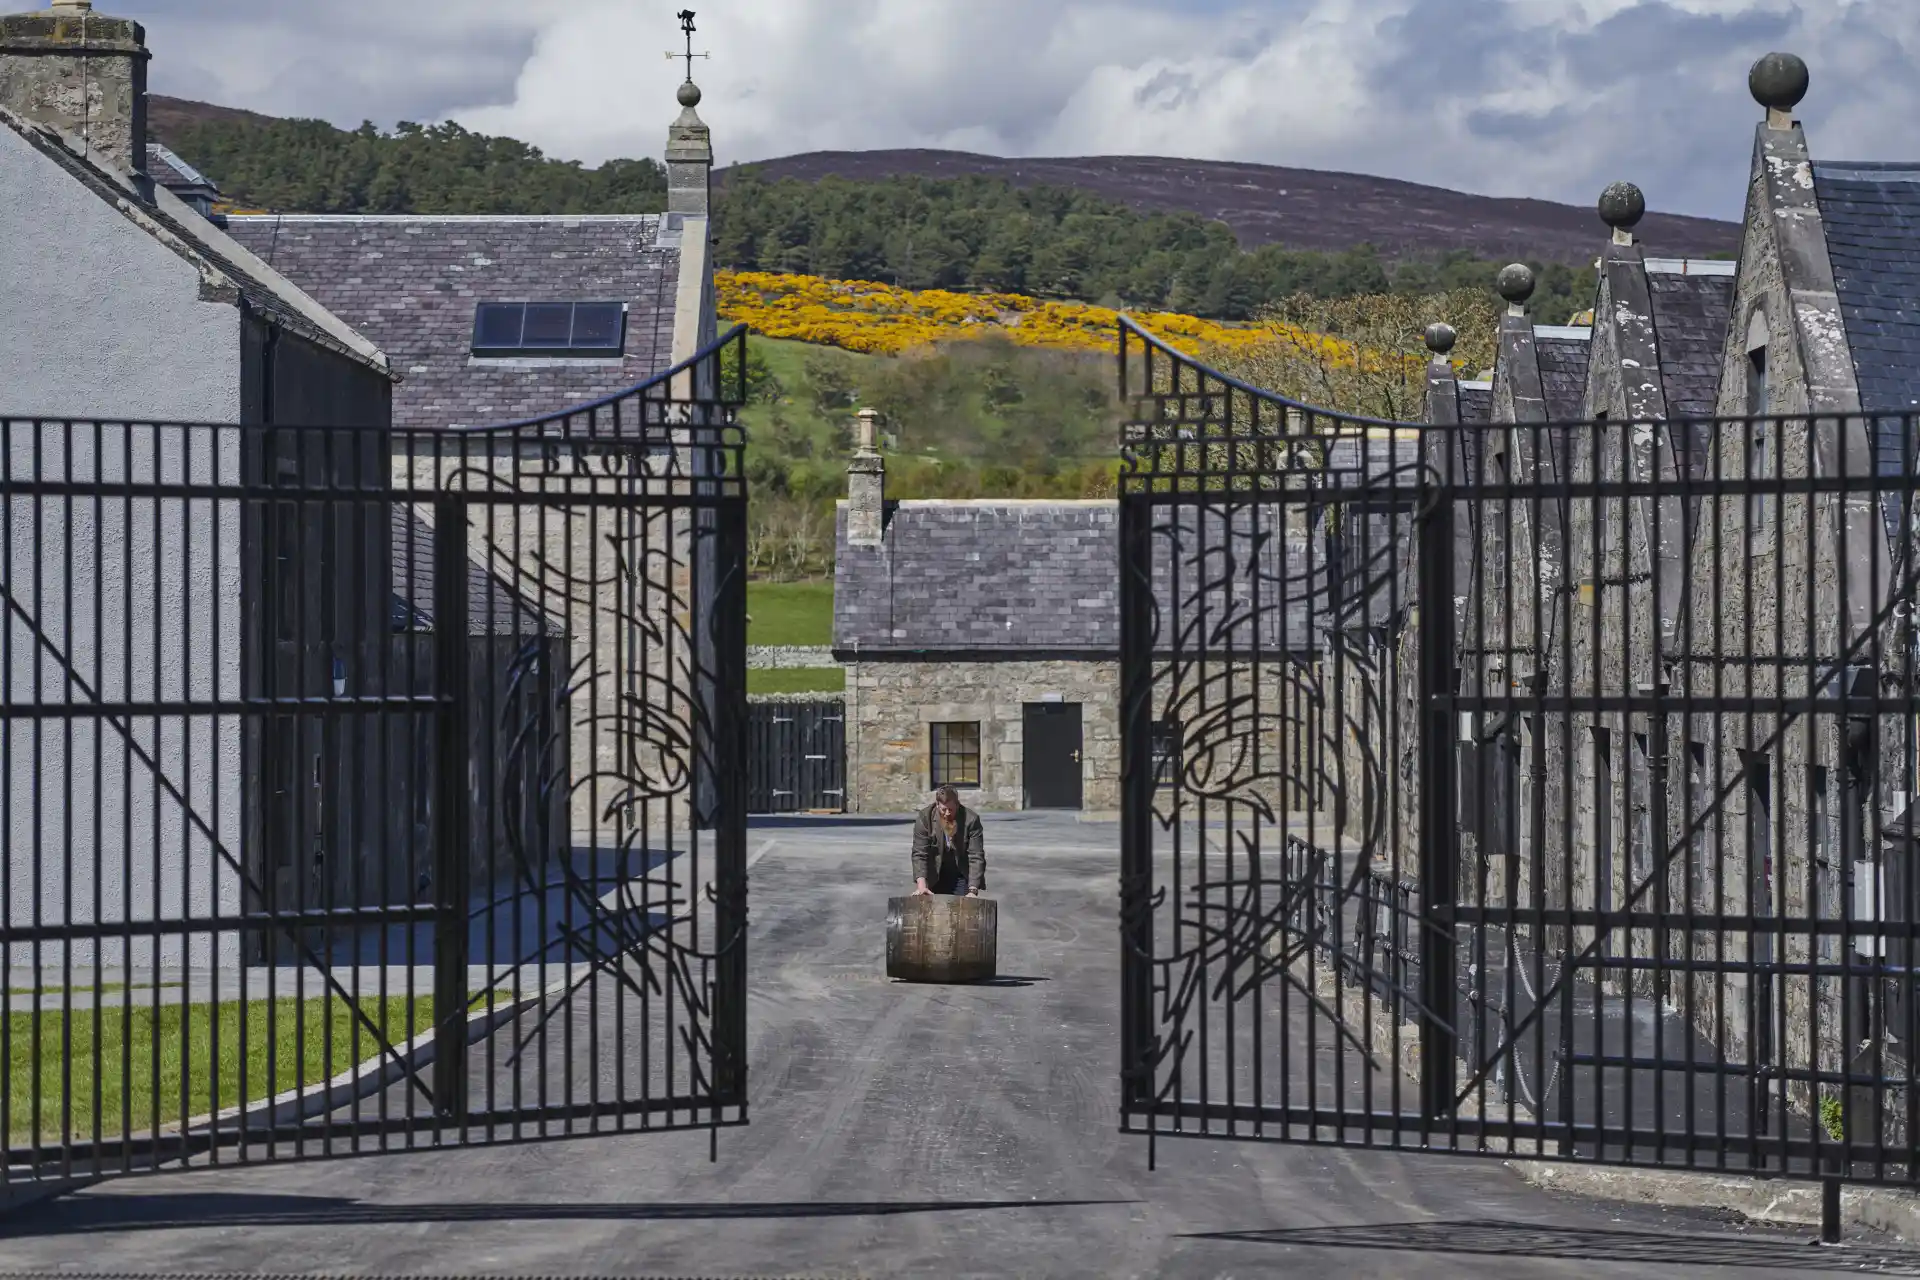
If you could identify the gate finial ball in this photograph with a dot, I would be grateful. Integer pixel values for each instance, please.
(1778, 81)
(1440, 338)
(1622, 205)
(1515, 282)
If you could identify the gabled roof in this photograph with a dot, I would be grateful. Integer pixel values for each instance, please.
(176, 175)
(494, 608)
(222, 261)
(1690, 317)
(1476, 403)
(1872, 217)
(1012, 579)
(1562, 354)
(412, 284)
(1691, 313)
(956, 575)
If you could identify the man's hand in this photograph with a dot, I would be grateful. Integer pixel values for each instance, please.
(973, 893)
(919, 888)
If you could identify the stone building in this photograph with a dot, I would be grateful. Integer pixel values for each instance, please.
(1479, 432)
(981, 644)
(981, 640)
(1804, 594)
(496, 319)
(1653, 373)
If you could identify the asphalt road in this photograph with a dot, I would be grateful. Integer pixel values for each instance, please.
(903, 1130)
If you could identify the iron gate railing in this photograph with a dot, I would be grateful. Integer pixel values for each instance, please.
(373, 789)
(1541, 789)
(797, 756)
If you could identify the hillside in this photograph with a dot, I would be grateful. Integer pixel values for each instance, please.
(167, 117)
(1263, 204)
(1297, 208)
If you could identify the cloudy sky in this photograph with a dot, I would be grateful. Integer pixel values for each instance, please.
(1549, 98)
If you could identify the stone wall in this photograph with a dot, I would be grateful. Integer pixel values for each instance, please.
(890, 705)
(769, 657)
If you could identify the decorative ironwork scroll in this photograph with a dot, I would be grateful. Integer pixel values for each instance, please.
(416, 785)
(1469, 805)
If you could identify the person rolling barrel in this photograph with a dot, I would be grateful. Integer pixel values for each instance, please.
(949, 849)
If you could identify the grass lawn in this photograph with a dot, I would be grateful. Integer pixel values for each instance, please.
(310, 1041)
(790, 613)
(797, 680)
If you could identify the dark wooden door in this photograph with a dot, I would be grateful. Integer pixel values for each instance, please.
(1050, 759)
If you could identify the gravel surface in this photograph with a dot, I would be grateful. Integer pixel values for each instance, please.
(905, 1130)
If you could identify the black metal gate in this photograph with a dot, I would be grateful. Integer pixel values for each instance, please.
(369, 790)
(797, 756)
(1536, 790)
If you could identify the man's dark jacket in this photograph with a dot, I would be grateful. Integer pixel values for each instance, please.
(928, 838)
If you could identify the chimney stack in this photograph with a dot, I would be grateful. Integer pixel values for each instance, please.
(689, 158)
(866, 483)
(80, 72)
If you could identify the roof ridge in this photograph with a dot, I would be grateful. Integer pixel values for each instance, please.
(176, 227)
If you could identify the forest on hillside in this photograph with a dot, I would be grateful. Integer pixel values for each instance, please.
(970, 234)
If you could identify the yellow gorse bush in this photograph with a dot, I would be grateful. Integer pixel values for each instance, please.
(879, 319)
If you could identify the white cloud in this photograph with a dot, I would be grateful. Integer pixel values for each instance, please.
(1549, 98)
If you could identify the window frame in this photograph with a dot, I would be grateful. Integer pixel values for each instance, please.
(1164, 737)
(574, 350)
(941, 757)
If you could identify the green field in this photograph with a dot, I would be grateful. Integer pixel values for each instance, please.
(790, 613)
(797, 680)
(284, 1044)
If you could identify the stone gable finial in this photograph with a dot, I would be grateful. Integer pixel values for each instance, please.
(689, 142)
(1778, 82)
(1621, 207)
(1440, 338)
(1515, 284)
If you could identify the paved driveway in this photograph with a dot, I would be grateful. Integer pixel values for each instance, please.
(897, 1130)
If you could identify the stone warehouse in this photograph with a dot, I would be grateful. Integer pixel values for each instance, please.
(1679, 590)
(981, 646)
(981, 639)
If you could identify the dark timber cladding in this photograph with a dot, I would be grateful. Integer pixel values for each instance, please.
(470, 835)
(1291, 952)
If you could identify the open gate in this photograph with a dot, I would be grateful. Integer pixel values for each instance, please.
(1517, 789)
(373, 790)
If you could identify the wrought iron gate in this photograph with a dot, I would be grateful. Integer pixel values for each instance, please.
(369, 790)
(1535, 789)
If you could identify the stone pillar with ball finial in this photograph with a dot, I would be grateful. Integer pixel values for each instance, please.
(689, 143)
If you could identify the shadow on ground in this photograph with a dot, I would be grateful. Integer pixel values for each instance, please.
(774, 821)
(1596, 1244)
(216, 1209)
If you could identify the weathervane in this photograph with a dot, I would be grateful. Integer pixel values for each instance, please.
(686, 25)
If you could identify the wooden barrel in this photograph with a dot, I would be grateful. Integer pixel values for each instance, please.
(938, 937)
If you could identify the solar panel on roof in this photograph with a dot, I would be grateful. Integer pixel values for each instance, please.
(584, 329)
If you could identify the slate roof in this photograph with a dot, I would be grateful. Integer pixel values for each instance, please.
(1872, 218)
(1008, 577)
(493, 606)
(1005, 578)
(174, 224)
(412, 284)
(1563, 373)
(1690, 317)
(1476, 403)
(981, 575)
(177, 176)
